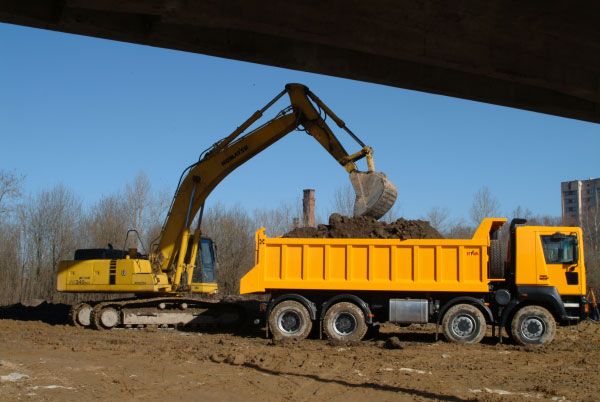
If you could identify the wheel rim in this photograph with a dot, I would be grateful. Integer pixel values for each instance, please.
(109, 318)
(533, 328)
(463, 325)
(289, 322)
(83, 315)
(344, 324)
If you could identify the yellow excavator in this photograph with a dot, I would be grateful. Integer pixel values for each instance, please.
(175, 283)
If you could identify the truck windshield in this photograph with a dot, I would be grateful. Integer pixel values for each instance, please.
(205, 263)
(560, 249)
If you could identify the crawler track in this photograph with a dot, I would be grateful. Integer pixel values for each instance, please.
(164, 311)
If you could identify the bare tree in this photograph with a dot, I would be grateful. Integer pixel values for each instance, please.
(10, 190)
(343, 200)
(532, 219)
(137, 204)
(232, 230)
(10, 263)
(590, 224)
(277, 221)
(459, 229)
(50, 225)
(10, 240)
(522, 212)
(484, 205)
(107, 222)
(136, 207)
(439, 217)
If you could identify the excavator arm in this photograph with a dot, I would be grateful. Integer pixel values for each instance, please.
(176, 250)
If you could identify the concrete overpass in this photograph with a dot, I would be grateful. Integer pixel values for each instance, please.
(537, 55)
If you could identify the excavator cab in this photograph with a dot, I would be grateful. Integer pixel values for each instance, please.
(204, 278)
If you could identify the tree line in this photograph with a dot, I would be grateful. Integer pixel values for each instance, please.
(37, 231)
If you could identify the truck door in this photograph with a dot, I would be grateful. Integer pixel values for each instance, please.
(561, 262)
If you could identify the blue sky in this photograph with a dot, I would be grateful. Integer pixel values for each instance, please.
(92, 113)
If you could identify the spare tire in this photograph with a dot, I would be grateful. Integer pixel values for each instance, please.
(496, 260)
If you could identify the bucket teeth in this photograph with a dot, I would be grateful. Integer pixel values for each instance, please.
(375, 194)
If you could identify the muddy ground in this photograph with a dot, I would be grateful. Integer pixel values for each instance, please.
(364, 227)
(43, 359)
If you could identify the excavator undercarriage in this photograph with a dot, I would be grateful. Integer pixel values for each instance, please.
(165, 311)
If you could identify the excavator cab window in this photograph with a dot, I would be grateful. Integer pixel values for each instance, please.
(205, 262)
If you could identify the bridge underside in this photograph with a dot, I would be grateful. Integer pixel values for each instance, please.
(542, 56)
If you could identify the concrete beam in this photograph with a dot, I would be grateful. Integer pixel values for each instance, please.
(542, 56)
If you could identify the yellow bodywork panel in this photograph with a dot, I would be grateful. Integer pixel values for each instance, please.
(117, 276)
(209, 288)
(532, 268)
(122, 275)
(441, 265)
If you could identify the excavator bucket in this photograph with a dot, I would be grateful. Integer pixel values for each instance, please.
(375, 194)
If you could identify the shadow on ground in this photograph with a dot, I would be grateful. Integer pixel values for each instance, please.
(371, 385)
(53, 314)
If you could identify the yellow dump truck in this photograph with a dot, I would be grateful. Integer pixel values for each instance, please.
(343, 286)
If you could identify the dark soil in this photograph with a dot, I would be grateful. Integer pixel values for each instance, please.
(368, 228)
(54, 314)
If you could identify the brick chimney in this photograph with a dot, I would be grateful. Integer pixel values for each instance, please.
(308, 208)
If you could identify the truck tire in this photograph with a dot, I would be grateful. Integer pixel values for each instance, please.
(464, 323)
(533, 325)
(290, 320)
(496, 262)
(345, 322)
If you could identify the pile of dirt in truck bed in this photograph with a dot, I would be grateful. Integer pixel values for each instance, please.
(368, 228)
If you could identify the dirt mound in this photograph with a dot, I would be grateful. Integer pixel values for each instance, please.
(368, 228)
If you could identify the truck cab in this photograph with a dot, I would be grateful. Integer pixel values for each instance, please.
(549, 268)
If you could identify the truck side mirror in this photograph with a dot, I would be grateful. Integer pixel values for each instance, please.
(575, 250)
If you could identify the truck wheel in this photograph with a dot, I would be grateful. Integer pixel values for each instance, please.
(290, 320)
(105, 318)
(464, 323)
(80, 315)
(345, 322)
(533, 325)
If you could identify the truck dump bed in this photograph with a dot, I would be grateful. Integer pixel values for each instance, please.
(435, 265)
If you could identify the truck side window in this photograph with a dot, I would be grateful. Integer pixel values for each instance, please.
(559, 249)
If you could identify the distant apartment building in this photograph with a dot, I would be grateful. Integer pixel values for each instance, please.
(579, 197)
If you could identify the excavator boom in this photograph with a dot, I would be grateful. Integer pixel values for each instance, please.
(375, 194)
